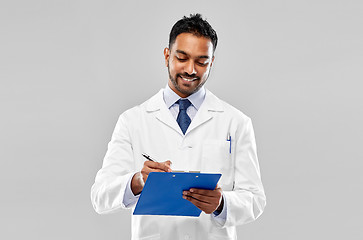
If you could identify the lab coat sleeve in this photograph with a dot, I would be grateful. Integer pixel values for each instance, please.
(129, 198)
(107, 193)
(247, 200)
(220, 219)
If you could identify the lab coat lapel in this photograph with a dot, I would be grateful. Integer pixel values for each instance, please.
(162, 113)
(205, 113)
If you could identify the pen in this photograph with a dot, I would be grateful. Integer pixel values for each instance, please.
(148, 157)
(230, 142)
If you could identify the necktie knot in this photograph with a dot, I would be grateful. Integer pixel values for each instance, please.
(184, 104)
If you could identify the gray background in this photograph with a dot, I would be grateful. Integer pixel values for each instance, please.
(69, 68)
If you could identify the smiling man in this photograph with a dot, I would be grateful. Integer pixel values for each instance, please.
(191, 129)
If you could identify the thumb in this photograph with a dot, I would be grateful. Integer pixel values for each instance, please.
(169, 163)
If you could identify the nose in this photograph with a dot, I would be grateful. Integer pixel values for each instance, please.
(190, 68)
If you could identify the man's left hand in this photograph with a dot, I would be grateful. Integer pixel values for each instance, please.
(206, 200)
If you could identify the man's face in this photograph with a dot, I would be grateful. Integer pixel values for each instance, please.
(189, 62)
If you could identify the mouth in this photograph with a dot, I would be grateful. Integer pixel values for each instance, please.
(189, 79)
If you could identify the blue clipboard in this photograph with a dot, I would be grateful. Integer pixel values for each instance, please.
(163, 193)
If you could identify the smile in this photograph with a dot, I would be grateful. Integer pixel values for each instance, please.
(188, 80)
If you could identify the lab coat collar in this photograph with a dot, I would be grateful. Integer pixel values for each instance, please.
(210, 104)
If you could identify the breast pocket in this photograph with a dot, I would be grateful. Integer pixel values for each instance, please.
(216, 156)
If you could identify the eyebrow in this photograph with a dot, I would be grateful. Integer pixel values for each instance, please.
(182, 52)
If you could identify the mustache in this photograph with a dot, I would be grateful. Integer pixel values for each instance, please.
(188, 76)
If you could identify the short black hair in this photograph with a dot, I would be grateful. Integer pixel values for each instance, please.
(196, 25)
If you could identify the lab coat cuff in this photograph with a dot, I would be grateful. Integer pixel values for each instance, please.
(129, 198)
(220, 218)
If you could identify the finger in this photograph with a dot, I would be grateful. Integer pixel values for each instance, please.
(168, 163)
(205, 207)
(150, 164)
(165, 166)
(203, 198)
(206, 192)
(198, 198)
(156, 165)
(146, 170)
(195, 201)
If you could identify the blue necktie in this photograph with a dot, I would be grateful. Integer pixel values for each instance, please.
(183, 119)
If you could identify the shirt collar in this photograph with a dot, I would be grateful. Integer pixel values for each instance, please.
(170, 97)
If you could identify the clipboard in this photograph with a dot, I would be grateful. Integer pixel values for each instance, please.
(163, 193)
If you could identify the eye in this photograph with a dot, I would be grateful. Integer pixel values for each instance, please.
(202, 63)
(181, 59)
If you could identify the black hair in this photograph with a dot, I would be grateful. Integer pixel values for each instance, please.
(196, 25)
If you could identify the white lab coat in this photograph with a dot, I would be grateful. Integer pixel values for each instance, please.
(150, 128)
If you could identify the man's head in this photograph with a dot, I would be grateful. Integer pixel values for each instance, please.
(190, 55)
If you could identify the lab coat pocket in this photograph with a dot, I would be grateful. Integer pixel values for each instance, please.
(152, 237)
(217, 237)
(216, 156)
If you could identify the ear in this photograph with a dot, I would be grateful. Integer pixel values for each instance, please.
(166, 56)
(212, 61)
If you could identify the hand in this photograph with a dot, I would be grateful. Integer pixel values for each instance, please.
(206, 200)
(139, 178)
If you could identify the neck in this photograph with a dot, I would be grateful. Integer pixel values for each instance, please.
(176, 91)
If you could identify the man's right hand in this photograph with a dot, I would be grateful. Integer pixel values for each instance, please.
(139, 178)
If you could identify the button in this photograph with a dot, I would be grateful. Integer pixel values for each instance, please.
(187, 237)
(185, 147)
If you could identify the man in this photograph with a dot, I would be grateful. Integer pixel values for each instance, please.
(193, 130)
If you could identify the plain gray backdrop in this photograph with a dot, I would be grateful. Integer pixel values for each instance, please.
(69, 68)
